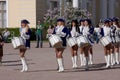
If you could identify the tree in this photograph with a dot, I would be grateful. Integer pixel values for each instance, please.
(70, 13)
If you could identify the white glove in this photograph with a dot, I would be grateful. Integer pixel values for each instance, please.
(62, 34)
(24, 36)
(48, 35)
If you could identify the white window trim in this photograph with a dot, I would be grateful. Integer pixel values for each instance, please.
(7, 18)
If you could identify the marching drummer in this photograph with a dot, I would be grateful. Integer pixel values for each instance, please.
(88, 27)
(117, 38)
(82, 56)
(74, 33)
(112, 36)
(24, 30)
(86, 32)
(105, 31)
(62, 32)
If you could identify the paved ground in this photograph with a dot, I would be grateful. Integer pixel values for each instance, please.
(42, 66)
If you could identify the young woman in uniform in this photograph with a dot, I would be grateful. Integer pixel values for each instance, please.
(74, 33)
(24, 32)
(117, 35)
(62, 32)
(82, 56)
(105, 31)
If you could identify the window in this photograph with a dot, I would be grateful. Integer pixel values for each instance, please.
(2, 14)
(53, 4)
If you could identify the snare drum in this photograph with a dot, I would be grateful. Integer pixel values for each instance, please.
(105, 40)
(72, 41)
(18, 43)
(55, 41)
(82, 41)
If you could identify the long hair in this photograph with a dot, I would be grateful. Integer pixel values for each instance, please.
(89, 22)
(91, 28)
(118, 24)
(76, 25)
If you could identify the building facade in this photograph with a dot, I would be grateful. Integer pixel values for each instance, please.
(3, 19)
(13, 11)
(100, 9)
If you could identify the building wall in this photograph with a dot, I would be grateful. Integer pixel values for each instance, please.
(2, 0)
(52, 4)
(117, 8)
(2, 13)
(21, 9)
(41, 9)
(101, 9)
(34, 10)
(97, 19)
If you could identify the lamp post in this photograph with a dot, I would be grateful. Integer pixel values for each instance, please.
(60, 8)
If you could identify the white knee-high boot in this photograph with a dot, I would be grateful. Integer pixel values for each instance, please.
(108, 61)
(60, 64)
(112, 59)
(90, 59)
(24, 65)
(86, 65)
(73, 62)
(81, 59)
(117, 58)
(84, 60)
(75, 59)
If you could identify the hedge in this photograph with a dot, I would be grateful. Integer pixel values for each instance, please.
(33, 36)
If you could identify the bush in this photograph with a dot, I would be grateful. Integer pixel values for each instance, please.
(15, 32)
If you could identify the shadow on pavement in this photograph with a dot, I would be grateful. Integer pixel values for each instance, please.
(11, 54)
(94, 67)
(16, 64)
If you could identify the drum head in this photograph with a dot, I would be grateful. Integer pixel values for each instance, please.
(106, 41)
(55, 41)
(72, 41)
(18, 43)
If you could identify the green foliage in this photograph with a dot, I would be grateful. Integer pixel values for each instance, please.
(70, 14)
(15, 32)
